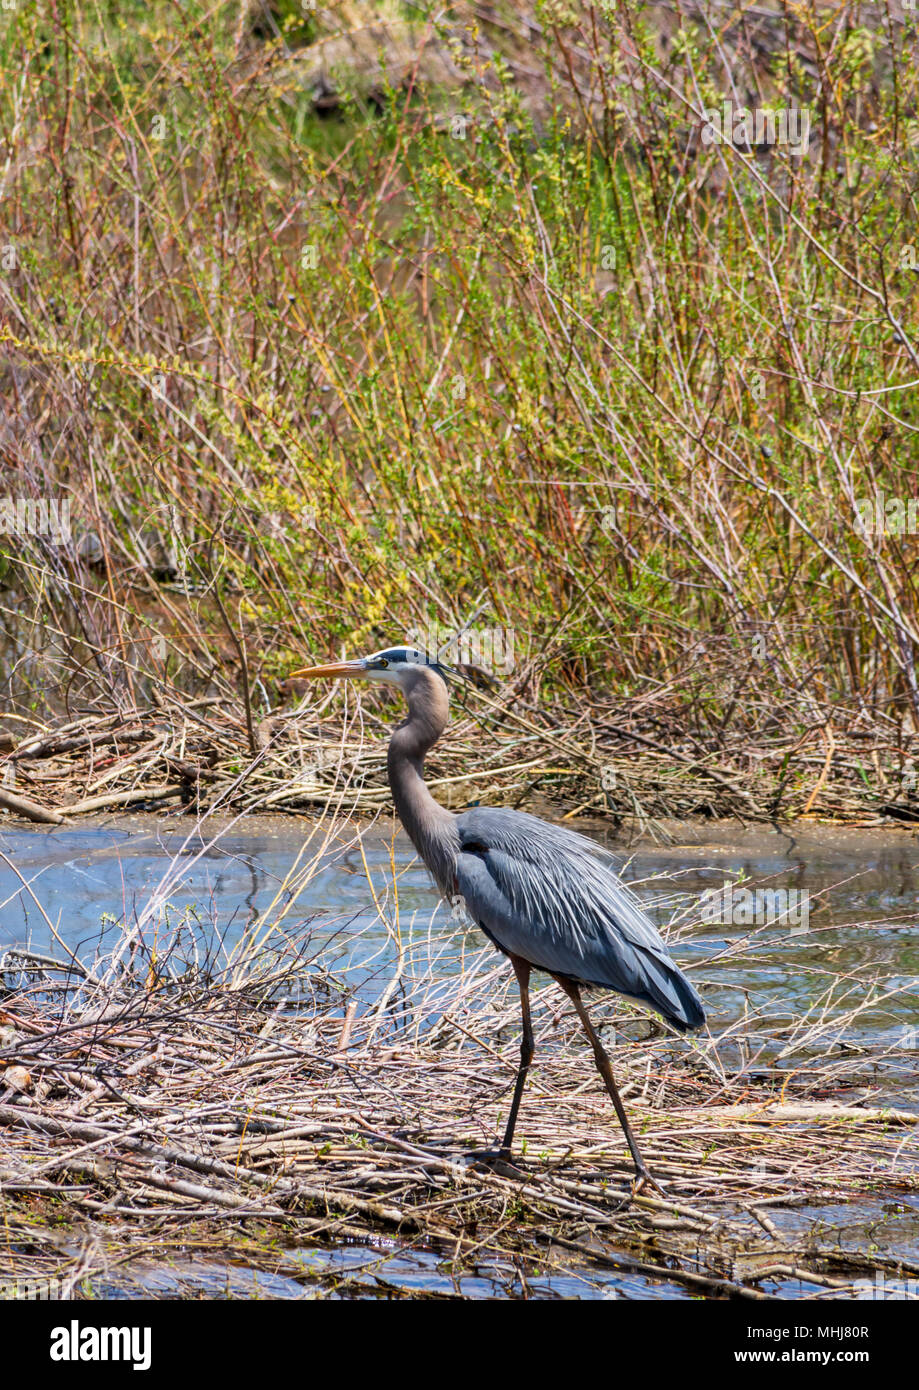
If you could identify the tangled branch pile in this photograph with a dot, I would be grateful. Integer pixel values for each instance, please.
(631, 762)
(158, 1115)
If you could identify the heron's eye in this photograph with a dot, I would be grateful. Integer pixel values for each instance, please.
(382, 662)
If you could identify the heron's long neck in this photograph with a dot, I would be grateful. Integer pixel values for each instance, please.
(428, 824)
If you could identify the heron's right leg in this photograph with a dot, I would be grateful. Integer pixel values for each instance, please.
(527, 1048)
(604, 1067)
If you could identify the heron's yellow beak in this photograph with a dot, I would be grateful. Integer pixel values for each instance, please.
(334, 668)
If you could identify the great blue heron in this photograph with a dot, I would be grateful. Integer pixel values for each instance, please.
(545, 896)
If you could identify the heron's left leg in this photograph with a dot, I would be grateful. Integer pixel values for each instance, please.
(605, 1069)
(527, 1048)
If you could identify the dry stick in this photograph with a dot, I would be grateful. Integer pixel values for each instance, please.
(30, 809)
(347, 1025)
(152, 1178)
(769, 1114)
(98, 803)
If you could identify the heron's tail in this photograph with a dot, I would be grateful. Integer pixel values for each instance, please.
(669, 992)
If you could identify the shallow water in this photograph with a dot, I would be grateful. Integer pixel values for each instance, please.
(354, 1270)
(863, 892)
(863, 889)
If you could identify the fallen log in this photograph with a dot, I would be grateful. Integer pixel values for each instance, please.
(99, 803)
(811, 1110)
(30, 809)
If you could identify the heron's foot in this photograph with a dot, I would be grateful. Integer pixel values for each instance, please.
(643, 1178)
(499, 1160)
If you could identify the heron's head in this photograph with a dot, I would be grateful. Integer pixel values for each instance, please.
(395, 665)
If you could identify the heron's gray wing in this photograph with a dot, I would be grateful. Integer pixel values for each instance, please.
(551, 896)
